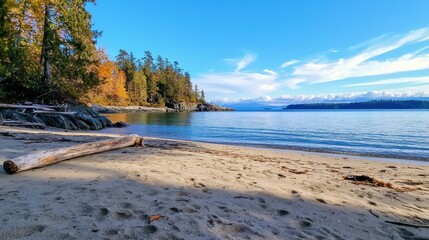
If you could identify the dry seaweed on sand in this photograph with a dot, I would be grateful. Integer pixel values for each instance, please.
(370, 181)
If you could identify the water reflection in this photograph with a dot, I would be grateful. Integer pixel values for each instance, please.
(376, 133)
(169, 119)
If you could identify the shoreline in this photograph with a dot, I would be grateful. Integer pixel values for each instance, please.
(295, 150)
(317, 152)
(204, 191)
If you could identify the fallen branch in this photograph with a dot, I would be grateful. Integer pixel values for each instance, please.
(48, 157)
(407, 224)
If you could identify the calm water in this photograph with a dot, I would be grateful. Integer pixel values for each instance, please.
(396, 134)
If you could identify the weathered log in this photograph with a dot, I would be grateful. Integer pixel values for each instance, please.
(54, 112)
(23, 124)
(48, 157)
(3, 105)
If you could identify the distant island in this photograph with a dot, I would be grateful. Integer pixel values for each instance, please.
(375, 104)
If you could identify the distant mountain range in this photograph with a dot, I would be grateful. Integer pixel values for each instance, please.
(375, 104)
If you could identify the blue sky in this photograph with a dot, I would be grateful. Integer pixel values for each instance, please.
(279, 52)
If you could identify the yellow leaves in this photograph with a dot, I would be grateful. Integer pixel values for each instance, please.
(112, 90)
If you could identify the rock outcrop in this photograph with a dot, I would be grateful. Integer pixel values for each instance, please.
(206, 107)
(183, 106)
(84, 119)
(194, 107)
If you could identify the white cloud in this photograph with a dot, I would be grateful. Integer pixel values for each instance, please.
(237, 82)
(407, 80)
(329, 98)
(289, 63)
(364, 64)
(242, 62)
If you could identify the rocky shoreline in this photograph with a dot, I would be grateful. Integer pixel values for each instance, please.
(176, 107)
(84, 118)
(89, 118)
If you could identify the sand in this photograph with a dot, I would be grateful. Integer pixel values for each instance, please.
(205, 191)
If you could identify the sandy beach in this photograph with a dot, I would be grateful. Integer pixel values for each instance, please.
(205, 191)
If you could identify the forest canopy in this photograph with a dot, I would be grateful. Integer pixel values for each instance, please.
(48, 54)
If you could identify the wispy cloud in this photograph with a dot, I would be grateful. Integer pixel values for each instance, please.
(238, 82)
(242, 62)
(371, 61)
(406, 80)
(289, 63)
(364, 63)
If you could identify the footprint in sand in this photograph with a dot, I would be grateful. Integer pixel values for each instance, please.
(21, 232)
(126, 205)
(321, 200)
(139, 231)
(86, 210)
(122, 215)
(174, 209)
(103, 211)
(189, 210)
(236, 228)
(112, 232)
(304, 224)
(153, 192)
(282, 212)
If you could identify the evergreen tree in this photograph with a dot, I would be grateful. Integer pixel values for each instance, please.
(196, 93)
(47, 47)
(126, 63)
(203, 97)
(149, 69)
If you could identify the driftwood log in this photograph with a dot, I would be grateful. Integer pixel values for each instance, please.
(48, 157)
(36, 107)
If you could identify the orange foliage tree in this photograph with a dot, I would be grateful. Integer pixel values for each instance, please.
(112, 90)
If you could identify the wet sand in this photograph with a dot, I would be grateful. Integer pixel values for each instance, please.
(205, 191)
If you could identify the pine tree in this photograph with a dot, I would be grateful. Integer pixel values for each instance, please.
(203, 97)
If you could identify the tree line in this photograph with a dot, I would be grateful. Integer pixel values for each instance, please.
(48, 53)
(375, 104)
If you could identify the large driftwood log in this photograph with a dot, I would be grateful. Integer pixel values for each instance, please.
(53, 112)
(44, 108)
(48, 157)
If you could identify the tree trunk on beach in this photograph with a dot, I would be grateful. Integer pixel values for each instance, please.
(48, 157)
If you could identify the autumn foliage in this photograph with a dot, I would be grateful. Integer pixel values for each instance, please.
(48, 54)
(111, 90)
(144, 82)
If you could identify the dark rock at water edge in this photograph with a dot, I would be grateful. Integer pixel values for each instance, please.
(206, 107)
(194, 107)
(119, 124)
(183, 106)
(84, 119)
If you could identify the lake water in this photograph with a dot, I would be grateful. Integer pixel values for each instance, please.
(391, 133)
